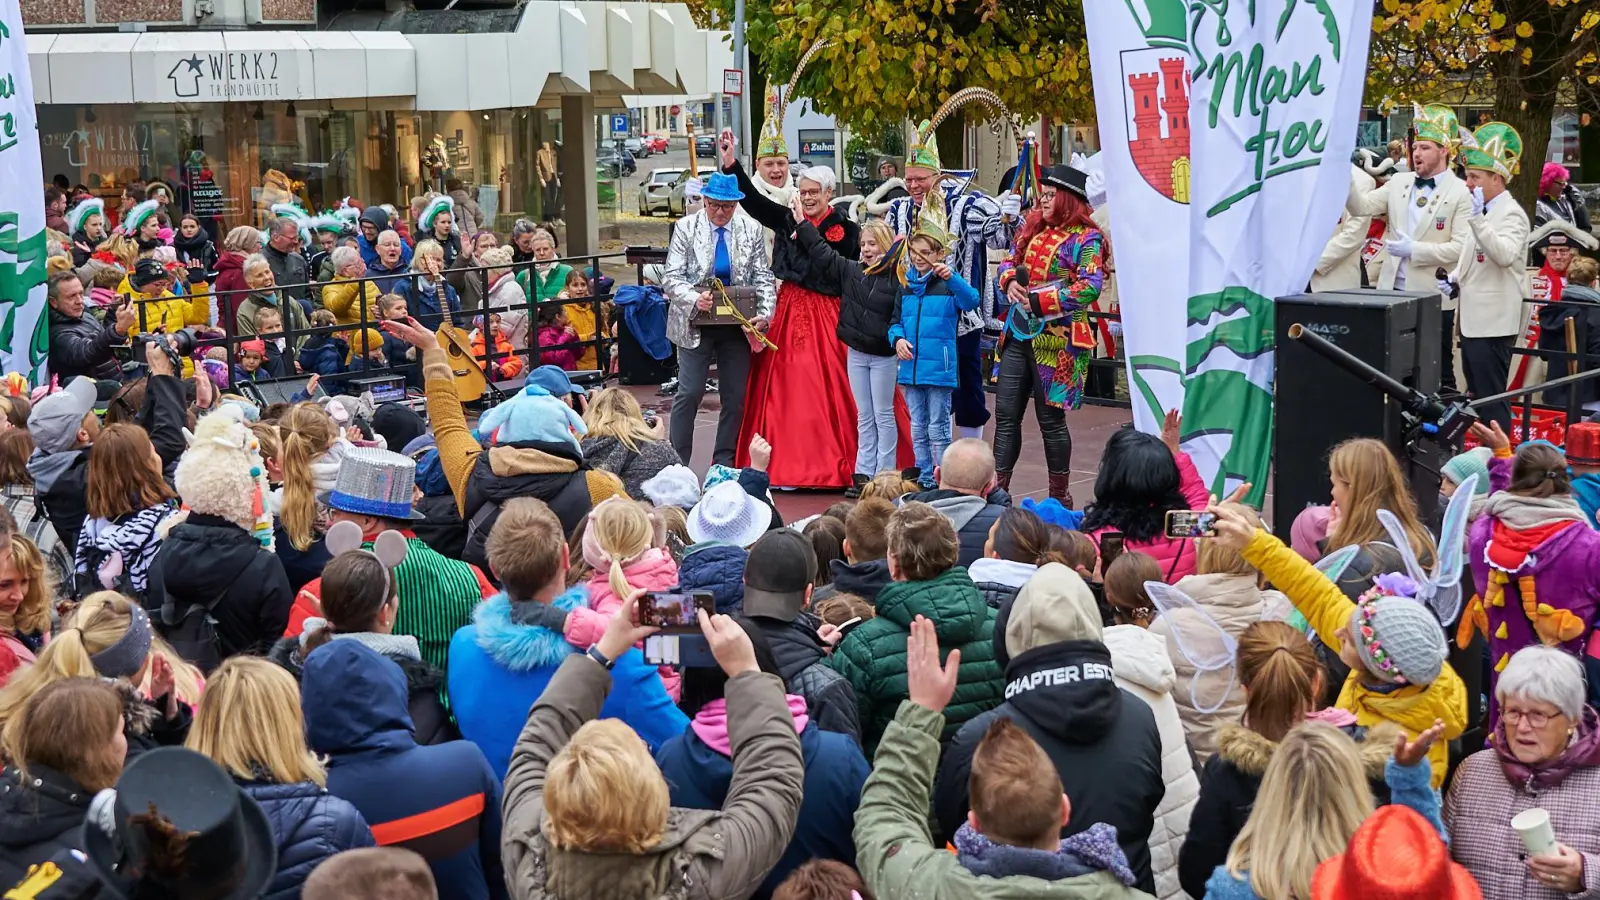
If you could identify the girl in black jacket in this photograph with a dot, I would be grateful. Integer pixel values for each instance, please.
(195, 250)
(870, 295)
(67, 745)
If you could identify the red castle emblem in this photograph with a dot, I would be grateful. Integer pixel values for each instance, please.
(1157, 102)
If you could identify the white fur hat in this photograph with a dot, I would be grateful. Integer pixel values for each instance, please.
(221, 474)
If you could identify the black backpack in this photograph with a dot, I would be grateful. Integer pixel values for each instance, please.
(191, 629)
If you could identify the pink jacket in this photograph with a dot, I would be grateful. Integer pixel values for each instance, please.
(654, 571)
(1176, 557)
(566, 358)
(103, 297)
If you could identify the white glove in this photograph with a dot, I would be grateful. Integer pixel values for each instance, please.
(1116, 328)
(1478, 203)
(692, 189)
(1446, 286)
(1010, 204)
(1398, 247)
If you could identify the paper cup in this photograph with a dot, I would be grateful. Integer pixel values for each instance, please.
(1533, 826)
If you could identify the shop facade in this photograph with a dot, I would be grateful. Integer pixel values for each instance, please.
(235, 121)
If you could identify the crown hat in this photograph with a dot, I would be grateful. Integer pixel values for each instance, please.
(924, 152)
(1438, 124)
(137, 216)
(439, 204)
(932, 219)
(771, 145)
(1494, 147)
(79, 214)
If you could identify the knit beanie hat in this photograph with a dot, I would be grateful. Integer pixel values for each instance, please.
(1472, 462)
(1397, 637)
(373, 341)
(221, 473)
(533, 415)
(1054, 606)
(603, 486)
(496, 258)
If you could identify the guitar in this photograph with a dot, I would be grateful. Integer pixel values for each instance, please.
(471, 383)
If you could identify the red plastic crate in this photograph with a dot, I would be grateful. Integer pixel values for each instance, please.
(1546, 424)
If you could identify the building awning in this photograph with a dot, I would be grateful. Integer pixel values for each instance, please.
(554, 48)
(220, 66)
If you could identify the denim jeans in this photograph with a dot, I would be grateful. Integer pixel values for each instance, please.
(930, 425)
(872, 380)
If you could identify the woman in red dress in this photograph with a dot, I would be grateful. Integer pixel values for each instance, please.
(799, 394)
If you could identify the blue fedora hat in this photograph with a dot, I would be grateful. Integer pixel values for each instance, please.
(722, 187)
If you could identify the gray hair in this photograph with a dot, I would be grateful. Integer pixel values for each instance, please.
(821, 176)
(255, 262)
(1547, 675)
(278, 226)
(394, 240)
(521, 227)
(343, 256)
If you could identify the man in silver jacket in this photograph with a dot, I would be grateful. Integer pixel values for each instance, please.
(715, 242)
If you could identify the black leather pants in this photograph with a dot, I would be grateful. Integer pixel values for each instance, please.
(1019, 377)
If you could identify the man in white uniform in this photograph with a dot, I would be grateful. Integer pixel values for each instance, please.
(1490, 273)
(1426, 211)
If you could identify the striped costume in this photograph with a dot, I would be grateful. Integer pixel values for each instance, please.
(977, 225)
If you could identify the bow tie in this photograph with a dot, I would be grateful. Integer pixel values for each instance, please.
(1424, 183)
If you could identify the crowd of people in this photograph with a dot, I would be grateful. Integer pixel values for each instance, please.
(332, 649)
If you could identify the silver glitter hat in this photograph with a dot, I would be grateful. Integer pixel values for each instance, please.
(374, 482)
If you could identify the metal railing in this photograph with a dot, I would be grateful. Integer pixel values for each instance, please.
(225, 333)
(1578, 366)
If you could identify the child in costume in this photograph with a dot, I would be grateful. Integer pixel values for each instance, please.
(1391, 637)
(923, 334)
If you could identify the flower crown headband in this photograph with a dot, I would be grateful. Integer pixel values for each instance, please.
(1390, 584)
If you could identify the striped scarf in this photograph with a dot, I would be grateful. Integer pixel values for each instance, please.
(437, 597)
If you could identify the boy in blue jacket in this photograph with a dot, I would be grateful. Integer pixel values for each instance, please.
(923, 335)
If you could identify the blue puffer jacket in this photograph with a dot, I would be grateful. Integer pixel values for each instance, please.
(716, 567)
(930, 309)
(323, 355)
(498, 668)
(310, 825)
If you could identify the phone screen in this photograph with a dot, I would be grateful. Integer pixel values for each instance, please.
(674, 612)
(1110, 549)
(1190, 523)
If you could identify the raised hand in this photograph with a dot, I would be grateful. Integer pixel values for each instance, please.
(1490, 435)
(621, 632)
(412, 332)
(729, 644)
(1170, 430)
(929, 684)
(760, 453)
(726, 144)
(1409, 753)
(1234, 531)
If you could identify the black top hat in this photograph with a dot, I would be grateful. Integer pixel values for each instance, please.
(229, 851)
(1067, 179)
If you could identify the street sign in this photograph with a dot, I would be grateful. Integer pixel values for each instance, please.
(676, 109)
(733, 81)
(619, 124)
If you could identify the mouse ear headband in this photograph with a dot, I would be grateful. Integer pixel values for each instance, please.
(389, 548)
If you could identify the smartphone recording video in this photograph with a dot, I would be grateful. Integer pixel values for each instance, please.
(1190, 523)
(674, 612)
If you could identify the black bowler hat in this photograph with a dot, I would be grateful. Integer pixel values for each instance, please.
(1067, 178)
(226, 848)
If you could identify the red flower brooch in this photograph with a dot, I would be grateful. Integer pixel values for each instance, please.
(834, 234)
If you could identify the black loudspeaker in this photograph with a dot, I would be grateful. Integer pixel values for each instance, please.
(635, 366)
(1318, 404)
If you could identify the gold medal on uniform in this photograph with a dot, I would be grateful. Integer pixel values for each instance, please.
(1421, 200)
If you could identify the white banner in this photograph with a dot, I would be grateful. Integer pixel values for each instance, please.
(24, 331)
(1238, 119)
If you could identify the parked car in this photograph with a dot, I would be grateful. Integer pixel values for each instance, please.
(676, 202)
(705, 146)
(615, 163)
(657, 143)
(636, 146)
(655, 191)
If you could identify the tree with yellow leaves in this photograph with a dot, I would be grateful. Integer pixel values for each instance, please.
(1529, 55)
(890, 60)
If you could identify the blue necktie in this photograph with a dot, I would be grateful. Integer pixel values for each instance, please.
(722, 266)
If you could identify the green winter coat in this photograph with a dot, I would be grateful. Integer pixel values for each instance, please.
(873, 656)
(894, 852)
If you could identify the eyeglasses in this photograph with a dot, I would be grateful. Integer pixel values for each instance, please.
(1535, 720)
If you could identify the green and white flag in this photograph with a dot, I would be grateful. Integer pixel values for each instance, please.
(1238, 118)
(24, 329)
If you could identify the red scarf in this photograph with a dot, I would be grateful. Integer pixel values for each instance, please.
(1558, 280)
(1509, 548)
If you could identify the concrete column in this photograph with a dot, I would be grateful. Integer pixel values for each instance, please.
(580, 197)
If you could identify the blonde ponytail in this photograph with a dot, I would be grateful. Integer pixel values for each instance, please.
(307, 432)
(99, 622)
(622, 531)
(618, 580)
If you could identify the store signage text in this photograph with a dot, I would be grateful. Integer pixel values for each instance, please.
(104, 147)
(227, 76)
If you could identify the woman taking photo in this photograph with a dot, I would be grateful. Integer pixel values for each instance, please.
(1141, 478)
(1226, 591)
(594, 813)
(110, 636)
(68, 746)
(1545, 755)
(251, 725)
(127, 500)
(1040, 357)
(621, 441)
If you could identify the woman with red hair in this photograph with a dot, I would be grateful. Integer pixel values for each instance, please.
(1053, 276)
